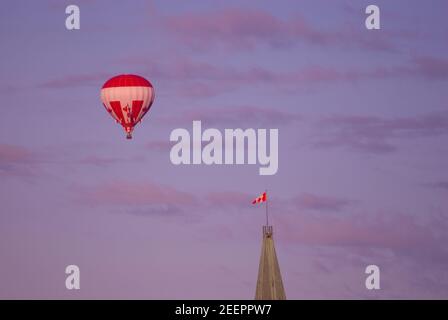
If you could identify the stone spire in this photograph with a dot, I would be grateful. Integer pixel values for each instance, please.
(269, 284)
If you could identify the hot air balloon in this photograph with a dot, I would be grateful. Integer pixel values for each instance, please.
(127, 98)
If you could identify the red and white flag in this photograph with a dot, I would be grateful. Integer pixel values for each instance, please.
(262, 198)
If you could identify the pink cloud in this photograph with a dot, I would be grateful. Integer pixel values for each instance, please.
(76, 81)
(196, 79)
(198, 89)
(375, 134)
(198, 29)
(246, 29)
(99, 160)
(201, 79)
(432, 67)
(16, 161)
(14, 154)
(320, 203)
(401, 233)
(234, 115)
(404, 234)
(229, 198)
(126, 193)
(185, 69)
(159, 145)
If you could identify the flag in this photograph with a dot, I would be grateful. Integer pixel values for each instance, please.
(262, 198)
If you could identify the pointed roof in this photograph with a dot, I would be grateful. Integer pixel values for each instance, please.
(269, 284)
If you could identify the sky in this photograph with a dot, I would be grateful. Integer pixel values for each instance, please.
(363, 149)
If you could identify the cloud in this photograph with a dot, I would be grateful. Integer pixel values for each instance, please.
(200, 89)
(229, 199)
(377, 135)
(125, 193)
(414, 236)
(234, 115)
(15, 154)
(101, 161)
(431, 67)
(240, 28)
(320, 203)
(76, 80)
(98, 160)
(245, 29)
(442, 185)
(404, 234)
(164, 210)
(17, 161)
(198, 79)
(138, 197)
(159, 145)
(187, 69)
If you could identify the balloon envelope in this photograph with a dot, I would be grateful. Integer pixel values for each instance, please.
(127, 98)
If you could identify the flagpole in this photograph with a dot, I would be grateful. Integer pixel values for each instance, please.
(267, 217)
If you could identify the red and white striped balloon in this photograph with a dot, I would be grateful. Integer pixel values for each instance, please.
(127, 98)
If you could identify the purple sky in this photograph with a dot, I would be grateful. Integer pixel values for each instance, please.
(363, 149)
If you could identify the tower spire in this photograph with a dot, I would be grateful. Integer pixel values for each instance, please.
(269, 283)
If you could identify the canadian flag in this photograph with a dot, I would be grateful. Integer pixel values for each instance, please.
(260, 199)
